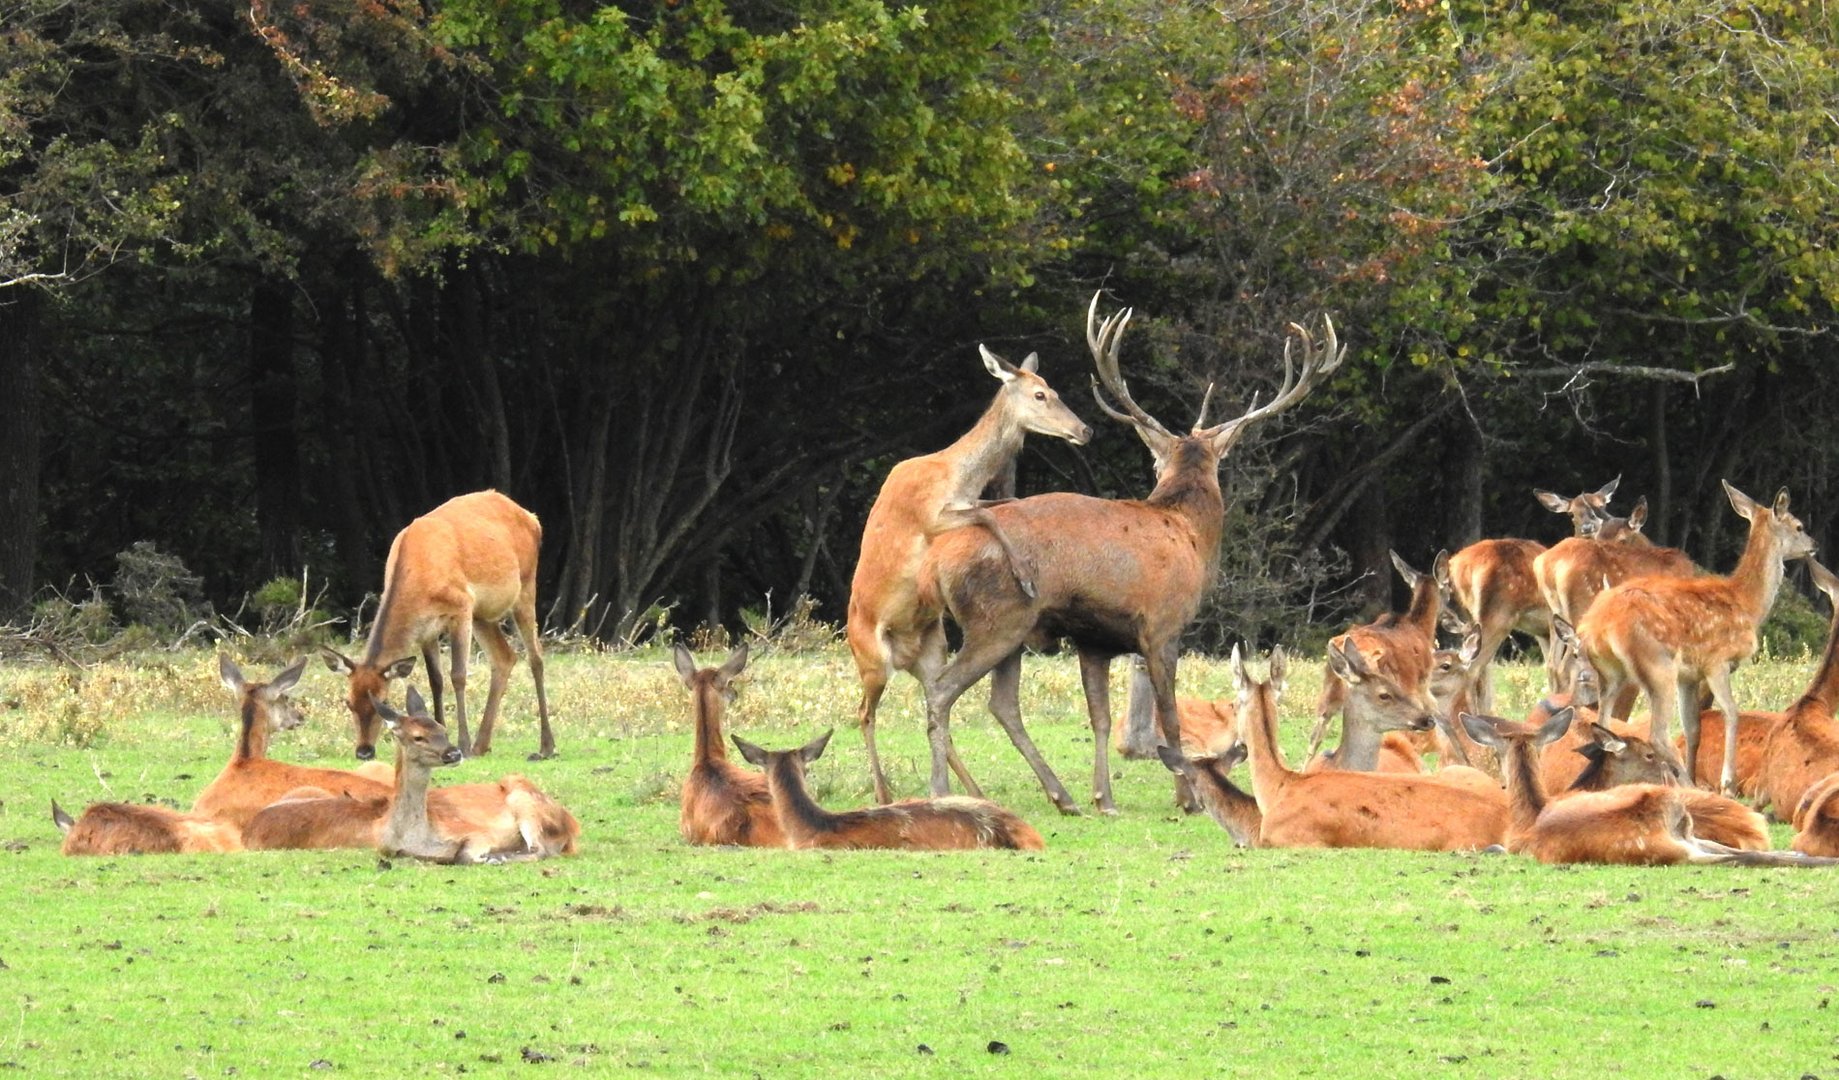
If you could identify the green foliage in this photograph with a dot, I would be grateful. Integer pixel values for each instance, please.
(156, 590)
(1794, 629)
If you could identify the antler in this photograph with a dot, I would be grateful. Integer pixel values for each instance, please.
(1105, 340)
(1318, 361)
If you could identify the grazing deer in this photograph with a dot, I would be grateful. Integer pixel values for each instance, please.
(950, 823)
(1114, 576)
(1804, 747)
(251, 779)
(1616, 759)
(1335, 808)
(1635, 824)
(890, 626)
(1378, 675)
(722, 802)
(1668, 635)
(1816, 819)
(1225, 802)
(1492, 583)
(115, 828)
(511, 819)
(457, 570)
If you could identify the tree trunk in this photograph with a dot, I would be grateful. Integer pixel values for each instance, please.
(1660, 520)
(276, 429)
(20, 312)
(1371, 550)
(344, 435)
(1464, 525)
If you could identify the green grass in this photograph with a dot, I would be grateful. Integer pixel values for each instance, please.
(1141, 945)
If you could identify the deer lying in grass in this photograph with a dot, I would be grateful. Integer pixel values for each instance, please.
(251, 779)
(1224, 801)
(1614, 760)
(116, 828)
(890, 626)
(1804, 747)
(1382, 669)
(1335, 808)
(511, 819)
(461, 568)
(722, 802)
(1816, 819)
(1636, 824)
(952, 822)
(1668, 635)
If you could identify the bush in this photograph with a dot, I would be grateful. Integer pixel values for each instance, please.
(1793, 629)
(155, 590)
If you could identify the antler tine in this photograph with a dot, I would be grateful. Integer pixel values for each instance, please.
(1105, 341)
(1206, 399)
(1318, 361)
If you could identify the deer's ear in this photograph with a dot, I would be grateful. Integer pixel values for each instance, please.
(1552, 501)
(1031, 363)
(735, 664)
(1555, 727)
(1482, 730)
(686, 663)
(1277, 669)
(1175, 760)
(751, 753)
(1741, 503)
(996, 365)
(400, 669)
(231, 675)
(286, 680)
(336, 661)
(814, 749)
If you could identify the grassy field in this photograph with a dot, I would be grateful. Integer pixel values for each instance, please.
(1140, 945)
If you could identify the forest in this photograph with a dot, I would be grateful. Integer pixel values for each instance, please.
(687, 278)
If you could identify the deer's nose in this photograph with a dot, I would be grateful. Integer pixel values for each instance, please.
(452, 756)
(366, 752)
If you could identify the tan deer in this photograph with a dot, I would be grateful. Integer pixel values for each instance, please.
(458, 570)
(890, 628)
(1114, 576)
(1378, 676)
(1669, 634)
(1492, 584)
(1335, 808)
(1816, 819)
(117, 828)
(251, 779)
(722, 803)
(1615, 759)
(1224, 801)
(1803, 749)
(510, 819)
(1635, 824)
(953, 822)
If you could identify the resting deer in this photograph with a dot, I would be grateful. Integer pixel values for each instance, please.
(511, 819)
(1225, 802)
(1816, 819)
(1114, 576)
(1636, 824)
(251, 779)
(1668, 635)
(1492, 583)
(1804, 747)
(116, 828)
(459, 569)
(1378, 675)
(952, 822)
(1615, 759)
(722, 802)
(1335, 808)
(890, 626)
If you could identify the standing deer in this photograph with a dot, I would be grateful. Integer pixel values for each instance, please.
(890, 627)
(459, 569)
(1113, 576)
(1669, 635)
(1378, 675)
(722, 802)
(1804, 747)
(953, 822)
(251, 779)
(1493, 584)
(1635, 824)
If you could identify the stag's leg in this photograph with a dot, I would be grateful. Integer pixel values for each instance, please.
(1719, 681)
(525, 614)
(1095, 676)
(1168, 720)
(503, 658)
(1006, 704)
(1139, 714)
(462, 652)
(431, 659)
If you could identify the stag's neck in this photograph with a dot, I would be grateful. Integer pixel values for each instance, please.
(1269, 770)
(407, 827)
(1758, 576)
(1525, 790)
(799, 815)
(709, 707)
(252, 741)
(984, 450)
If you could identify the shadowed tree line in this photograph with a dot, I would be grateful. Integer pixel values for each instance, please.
(686, 279)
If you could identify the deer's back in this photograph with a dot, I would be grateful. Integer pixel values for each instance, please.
(1383, 810)
(1633, 825)
(336, 822)
(473, 552)
(1701, 622)
(1497, 573)
(113, 828)
(1801, 751)
(244, 787)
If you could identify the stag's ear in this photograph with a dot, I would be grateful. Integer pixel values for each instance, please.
(686, 663)
(1404, 570)
(62, 820)
(285, 681)
(1471, 646)
(1482, 730)
(996, 365)
(735, 664)
(1567, 634)
(401, 669)
(1609, 489)
(386, 710)
(1638, 516)
(1556, 726)
(814, 749)
(753, 754)
(1241, 679)
(1276, 670)
(231, 675)
(1781, 503)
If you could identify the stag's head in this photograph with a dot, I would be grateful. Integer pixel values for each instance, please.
(367, 683)
(1588, 511)
(1204, 446)
(422, 738)
(1031, 403)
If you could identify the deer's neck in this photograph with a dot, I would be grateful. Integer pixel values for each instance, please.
(407, 828)
(709, 707)
(252, 741)
(1359, 749)
(1824, 690)
(1425, 605)
(1758, 576)
(799, 815)
(1231, 808)
(1525, 790)
(1269, 771)
(983, 451)
(1190, 489)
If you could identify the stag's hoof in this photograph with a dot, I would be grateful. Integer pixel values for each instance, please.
(1069, 809)
(1107, 809)
(541, 755)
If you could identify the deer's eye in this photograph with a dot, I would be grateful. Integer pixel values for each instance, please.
(1040, 395)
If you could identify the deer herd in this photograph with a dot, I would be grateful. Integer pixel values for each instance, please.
(1580, 780)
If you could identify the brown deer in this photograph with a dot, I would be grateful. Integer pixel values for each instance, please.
(457, 570)
(1335, 808)
(1113, 576)
(1378, 676)
(1804, 747)
(510, 819)
(251, 779)
(1225, 802)
(1816, 819)
(1616, 759)
(116, 828)
(1451, 680)
(722, 802)
(1208, 726)
(1668, 635)
(1491, 582)
(953, 822)
(1635, 824)
(890, 627)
